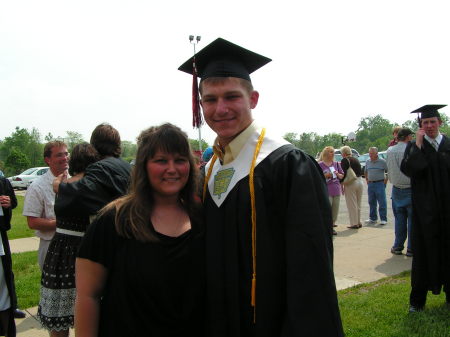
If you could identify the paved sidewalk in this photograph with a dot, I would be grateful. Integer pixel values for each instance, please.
(360, 256)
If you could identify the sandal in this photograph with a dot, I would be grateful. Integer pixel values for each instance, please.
(354, 226)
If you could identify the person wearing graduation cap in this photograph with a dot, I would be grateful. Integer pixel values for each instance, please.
(269, 251)
(427, 162)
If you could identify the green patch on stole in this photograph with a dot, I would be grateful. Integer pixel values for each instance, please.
(222, 180)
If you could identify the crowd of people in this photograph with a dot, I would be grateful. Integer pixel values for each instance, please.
(241, 246)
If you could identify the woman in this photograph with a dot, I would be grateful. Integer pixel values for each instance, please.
(333, 173)
(57, 301)
(140, 268)
(353, 191)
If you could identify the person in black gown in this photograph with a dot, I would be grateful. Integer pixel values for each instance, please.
(269, 251)
(140, 267)
(427, 162)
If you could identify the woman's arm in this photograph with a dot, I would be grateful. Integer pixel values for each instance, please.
(90, 280)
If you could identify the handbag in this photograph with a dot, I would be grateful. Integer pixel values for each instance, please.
(350, 176)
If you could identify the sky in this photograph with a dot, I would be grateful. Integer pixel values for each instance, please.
(70, 65)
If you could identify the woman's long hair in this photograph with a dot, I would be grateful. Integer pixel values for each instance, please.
(133, 210)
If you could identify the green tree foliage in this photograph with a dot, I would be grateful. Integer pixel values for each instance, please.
(72, 138)
(195, 144)
(373, 131)
(128, 150)
(312, 143)
(27, 143)
(16, 162)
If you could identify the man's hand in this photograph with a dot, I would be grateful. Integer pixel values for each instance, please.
(5, 201)
(62, 178)
(419, 137)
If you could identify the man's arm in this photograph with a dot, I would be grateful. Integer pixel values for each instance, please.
(414, 160)
(41, 224)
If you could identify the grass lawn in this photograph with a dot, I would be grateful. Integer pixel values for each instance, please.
(19, 227)
(28, 279)
(380, 309)
(377, 309)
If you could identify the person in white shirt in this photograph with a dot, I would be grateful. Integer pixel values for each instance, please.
(40, 198)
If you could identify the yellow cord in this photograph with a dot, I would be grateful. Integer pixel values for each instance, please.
(253, 206)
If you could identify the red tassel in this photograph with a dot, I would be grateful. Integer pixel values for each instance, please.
(196, 115)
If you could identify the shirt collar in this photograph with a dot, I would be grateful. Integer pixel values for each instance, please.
(231, 151)
(438, 138)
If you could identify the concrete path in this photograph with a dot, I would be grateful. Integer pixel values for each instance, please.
(361, 255)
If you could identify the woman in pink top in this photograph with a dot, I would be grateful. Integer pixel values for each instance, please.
(333, 173)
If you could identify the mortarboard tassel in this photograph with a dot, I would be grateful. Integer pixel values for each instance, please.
(196, 115)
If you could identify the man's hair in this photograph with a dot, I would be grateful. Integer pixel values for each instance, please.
(133, 211)
(403, 133)
(50, 145)
(106, 140)
(81, 157)
(373, 149)
(247, 85)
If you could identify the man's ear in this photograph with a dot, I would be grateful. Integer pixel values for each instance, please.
(46, 159)
(254, 97)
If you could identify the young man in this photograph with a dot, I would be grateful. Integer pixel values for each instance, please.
(40, 198)
(401, 193)
(375, 173)
(268, 219)
(426, 162)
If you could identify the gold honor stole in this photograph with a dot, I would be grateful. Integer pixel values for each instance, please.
(225, 177)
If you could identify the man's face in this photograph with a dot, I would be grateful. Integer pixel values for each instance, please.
(373, 155)
(431, 126)
(58, 160)
(227, 108)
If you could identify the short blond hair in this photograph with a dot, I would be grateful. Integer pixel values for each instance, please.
(247, 85)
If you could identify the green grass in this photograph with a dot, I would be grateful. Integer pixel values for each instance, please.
(19, 227)
(27, 278)
(380, 309)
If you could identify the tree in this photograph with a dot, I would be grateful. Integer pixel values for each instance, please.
(373, 131)
(73, 138)
(128, 150)
(194, 144)
(16, 162)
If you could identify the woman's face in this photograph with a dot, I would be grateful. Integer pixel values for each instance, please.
(168, 173)
(329, 154)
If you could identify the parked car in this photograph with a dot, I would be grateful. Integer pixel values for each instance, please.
(23, 180)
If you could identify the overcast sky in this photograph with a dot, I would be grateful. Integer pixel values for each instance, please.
(70, 65)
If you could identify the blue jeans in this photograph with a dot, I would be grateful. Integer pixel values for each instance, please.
(377, 195)
(402, 208)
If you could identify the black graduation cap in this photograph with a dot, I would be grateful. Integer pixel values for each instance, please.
(428, 111)
(222, 58)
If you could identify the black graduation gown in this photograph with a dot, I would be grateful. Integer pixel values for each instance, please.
(430, 183)
(5, 225)
(103, 182)
(295, 287)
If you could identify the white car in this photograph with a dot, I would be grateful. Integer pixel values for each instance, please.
(25, 179)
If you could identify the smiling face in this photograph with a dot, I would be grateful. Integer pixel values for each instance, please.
(227, 107)
(58, 161)
(431, 126)
(167, 173)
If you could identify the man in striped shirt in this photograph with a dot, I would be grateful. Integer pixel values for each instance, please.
(401, 193)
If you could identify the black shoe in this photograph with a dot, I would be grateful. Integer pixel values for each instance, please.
(409, 253)
(413, 308)
(19, 314)
(396, 251)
